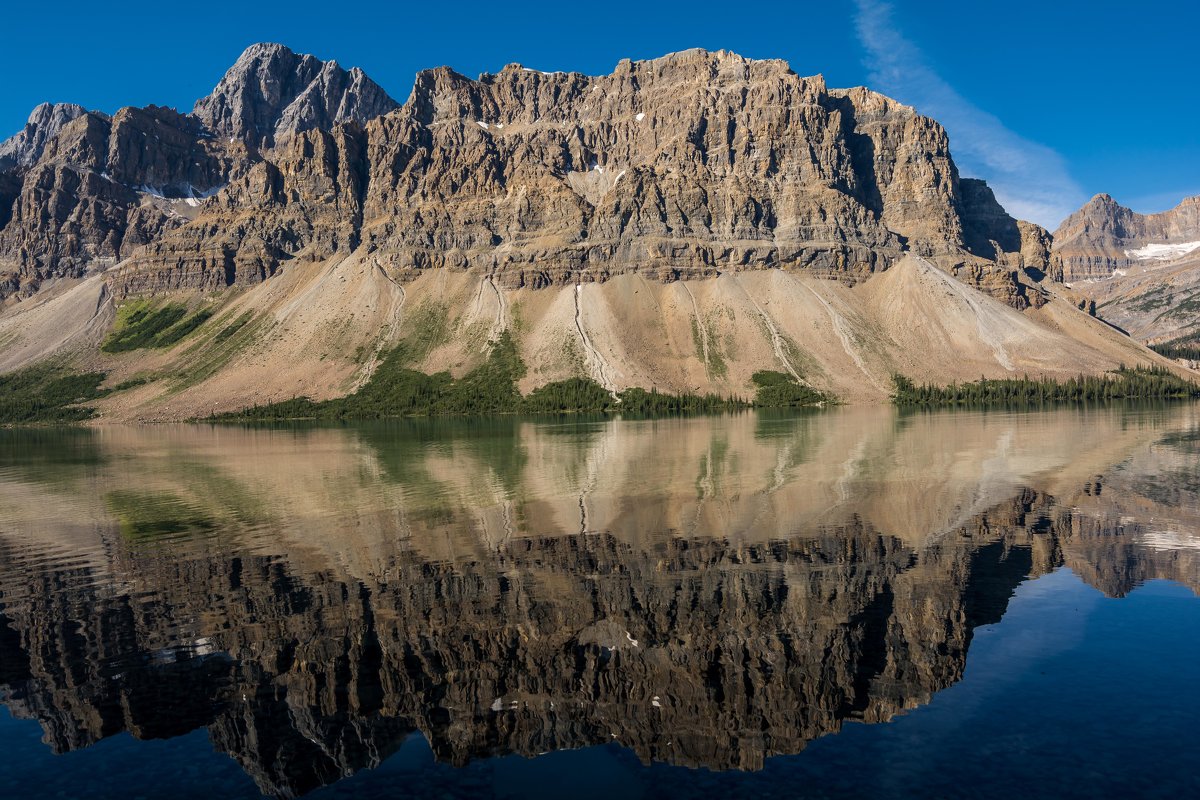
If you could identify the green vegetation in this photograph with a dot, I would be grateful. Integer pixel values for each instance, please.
(1130, 384)
(572, 396)
(140, 326)
(397, 390)
(233, 327)
(45, 393)
(1158, 297)
(50, 392)
(781, 390)
(1188, 306)
(1187, 348)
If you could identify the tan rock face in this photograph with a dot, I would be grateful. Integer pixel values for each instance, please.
(685, 166)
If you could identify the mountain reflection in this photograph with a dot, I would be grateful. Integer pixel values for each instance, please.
(706, 592)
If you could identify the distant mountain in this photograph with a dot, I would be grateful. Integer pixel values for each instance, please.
(1104, 236)
(680, 223)
(1142, 270)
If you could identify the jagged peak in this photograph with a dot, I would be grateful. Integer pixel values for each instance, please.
(44, 123)
(271, 91)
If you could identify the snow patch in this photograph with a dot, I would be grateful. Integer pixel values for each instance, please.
(1162, 252)
(186, 192)
(483, 125)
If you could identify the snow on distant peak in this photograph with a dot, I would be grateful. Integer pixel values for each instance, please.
(1162, 252)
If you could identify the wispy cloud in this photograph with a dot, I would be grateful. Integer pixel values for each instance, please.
(1030, 180)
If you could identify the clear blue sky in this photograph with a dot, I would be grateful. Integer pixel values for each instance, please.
(1052, 102)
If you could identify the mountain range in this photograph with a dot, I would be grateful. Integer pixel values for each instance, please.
(679, 224)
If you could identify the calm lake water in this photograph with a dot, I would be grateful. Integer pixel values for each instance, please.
(845, 604)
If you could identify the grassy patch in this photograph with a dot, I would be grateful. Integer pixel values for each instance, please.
(140, 326)
(229, 330)
(1122, 384)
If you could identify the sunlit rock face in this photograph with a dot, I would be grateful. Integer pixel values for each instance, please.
(520, 588)
(690, 165)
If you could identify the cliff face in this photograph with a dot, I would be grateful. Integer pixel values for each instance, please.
(686, 166)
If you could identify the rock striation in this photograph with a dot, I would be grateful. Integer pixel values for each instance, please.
(690, 165)
(686, 166)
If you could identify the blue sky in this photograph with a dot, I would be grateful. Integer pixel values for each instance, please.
(1051, 102)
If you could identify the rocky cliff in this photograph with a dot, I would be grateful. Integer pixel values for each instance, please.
(684, 166)
(681, 167)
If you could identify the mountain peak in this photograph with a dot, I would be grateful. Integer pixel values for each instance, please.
(45, 121)
(272, 91)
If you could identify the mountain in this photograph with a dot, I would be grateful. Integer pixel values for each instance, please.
(271, 93)
(680, 224)
(25, 147)
(1141, 270)
(82, 191)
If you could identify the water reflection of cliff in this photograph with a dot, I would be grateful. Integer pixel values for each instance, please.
(706, 592)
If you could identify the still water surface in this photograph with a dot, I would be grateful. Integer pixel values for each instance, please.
(853, 603)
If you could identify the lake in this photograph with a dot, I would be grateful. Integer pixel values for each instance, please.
(856, 602)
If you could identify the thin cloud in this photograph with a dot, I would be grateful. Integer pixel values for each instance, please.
(1030, 180)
